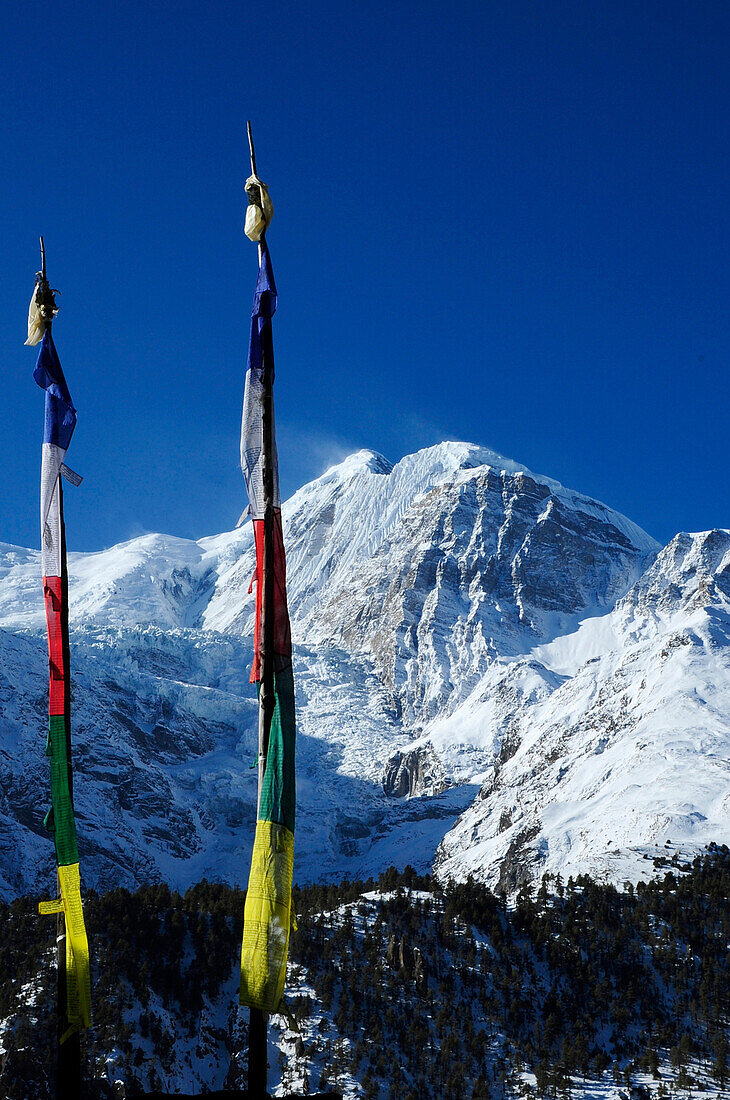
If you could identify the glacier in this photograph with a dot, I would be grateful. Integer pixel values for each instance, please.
(496, 676)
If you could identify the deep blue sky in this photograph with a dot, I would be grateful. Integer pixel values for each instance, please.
(500, 222)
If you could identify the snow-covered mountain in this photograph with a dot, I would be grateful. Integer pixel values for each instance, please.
(491, 669)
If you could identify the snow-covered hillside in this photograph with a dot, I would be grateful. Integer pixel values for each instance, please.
(487, 664)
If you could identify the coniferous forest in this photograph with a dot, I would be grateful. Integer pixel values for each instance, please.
(399, 988)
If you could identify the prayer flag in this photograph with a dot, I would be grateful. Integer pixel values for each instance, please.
(60, 421)
(267, 914)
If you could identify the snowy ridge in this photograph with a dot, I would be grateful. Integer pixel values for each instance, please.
(488, 664)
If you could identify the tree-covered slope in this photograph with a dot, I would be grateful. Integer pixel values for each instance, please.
(400, 988)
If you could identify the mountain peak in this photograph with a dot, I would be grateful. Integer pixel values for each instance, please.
(471, 456)
(439, 458)
(358, 461)
(453, 455)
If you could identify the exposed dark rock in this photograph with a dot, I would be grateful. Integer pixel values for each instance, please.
(409, 773)
(518, 865)
(420, 969)
(405, 958)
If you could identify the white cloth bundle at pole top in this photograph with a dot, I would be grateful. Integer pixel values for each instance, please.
(260, 208)
(36, 321)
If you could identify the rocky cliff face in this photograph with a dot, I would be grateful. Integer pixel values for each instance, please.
(629, 757)
(432, 568)
(463, 630)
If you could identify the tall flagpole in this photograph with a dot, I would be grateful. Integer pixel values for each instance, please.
(68, 1047)
(258, 1021)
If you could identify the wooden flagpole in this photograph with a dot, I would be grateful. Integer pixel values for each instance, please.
(258, 1022)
